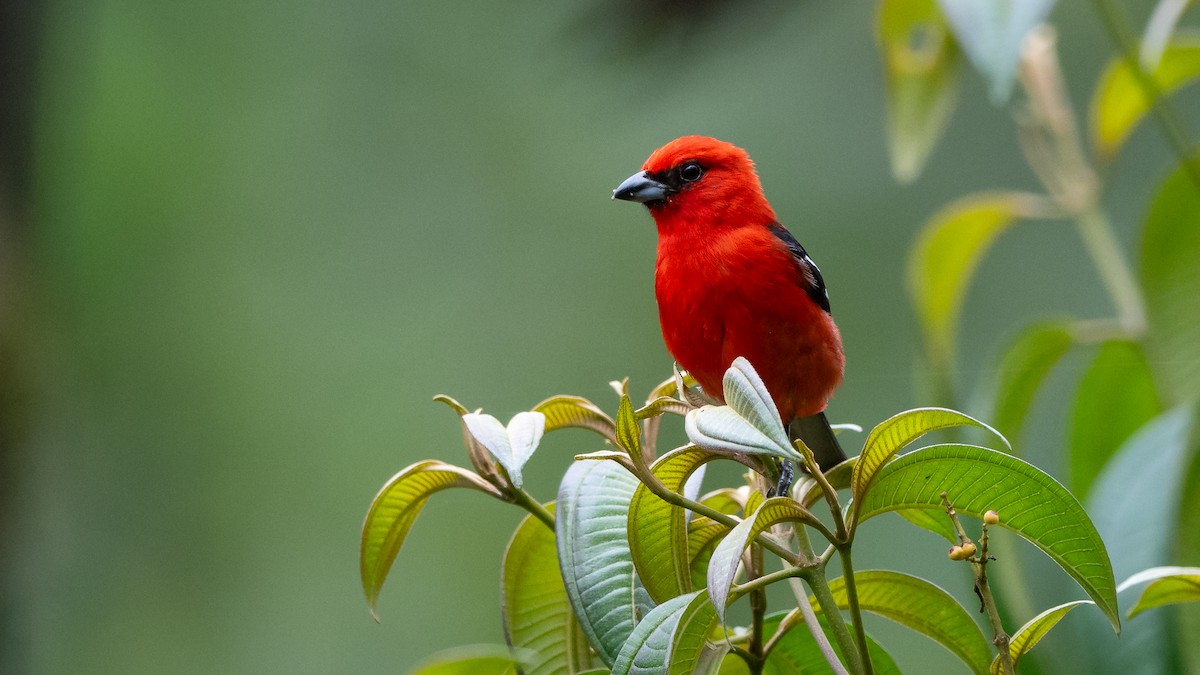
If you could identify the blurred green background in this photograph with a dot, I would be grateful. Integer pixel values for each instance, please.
(251, 240)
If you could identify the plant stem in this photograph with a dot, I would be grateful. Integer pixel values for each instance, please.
(860, 632)
(833, 615)
(1164, 113)
(526, 501)
(1000, 637)
(768, 542)
(827, 491)
(814, 627)
(1111, 265)
(765, 580)
(758, 609)
(1114, 270)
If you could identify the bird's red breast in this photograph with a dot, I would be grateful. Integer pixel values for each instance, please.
(730, 281)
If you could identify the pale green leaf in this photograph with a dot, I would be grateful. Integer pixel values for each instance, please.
(1025, 364)
(537, 612)
(747, 394)
(472, 660)
(723, 565)
(797, 652)
(921, 69)
(1171, 283)
(1135, 504)
(512, 446)
(564, 412)
(895, 433)
(1030, 503)
(1027, 636)
(1168, 585)
(922, 606)
(991, 33)
(1119, 103)
(1187, 552)
(393, 512)
(658, 531)
(648, 648)
(748, 424)
(1115, 397)
(692, 650)
(947, 252)
(593, 553)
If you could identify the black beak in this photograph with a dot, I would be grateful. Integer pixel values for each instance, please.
(641, 188)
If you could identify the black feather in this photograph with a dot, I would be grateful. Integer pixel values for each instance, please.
(810, 274)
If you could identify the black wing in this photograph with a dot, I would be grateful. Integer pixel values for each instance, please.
(810, 274)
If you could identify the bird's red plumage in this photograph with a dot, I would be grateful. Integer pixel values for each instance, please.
(727, 286)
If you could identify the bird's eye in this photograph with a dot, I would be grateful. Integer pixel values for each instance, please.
(691, 172)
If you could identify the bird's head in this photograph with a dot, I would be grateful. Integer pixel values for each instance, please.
(697, 180)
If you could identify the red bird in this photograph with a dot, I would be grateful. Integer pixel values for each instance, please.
(731, 281)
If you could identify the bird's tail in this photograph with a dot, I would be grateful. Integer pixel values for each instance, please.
(819, 437)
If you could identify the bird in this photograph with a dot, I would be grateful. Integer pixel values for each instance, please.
(731, 281)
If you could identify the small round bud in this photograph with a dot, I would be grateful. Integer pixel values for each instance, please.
(968, 550)
(956, 553)
(991, 517)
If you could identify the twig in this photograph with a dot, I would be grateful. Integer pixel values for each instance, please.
(966, 551)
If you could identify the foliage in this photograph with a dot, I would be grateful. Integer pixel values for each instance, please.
(633, 569)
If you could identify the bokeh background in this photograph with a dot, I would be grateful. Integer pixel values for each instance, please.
(243, 244)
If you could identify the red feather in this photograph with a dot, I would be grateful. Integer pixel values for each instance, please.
(727, 286)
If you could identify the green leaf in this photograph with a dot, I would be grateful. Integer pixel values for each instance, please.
(749, 424)
(472, 660)
(920, 605)
(723, 565)
(537, 612)
(703, 535)
(511, 446)
(935, 522)
(1187, 552)
(660, 405)
(1116, 396)
(564, 412)
(628, 430)
(797, 652)
(1032, 632)
(1119, 103)
(393, 512)
(1168, 585)
(593, 553)
(692, 652)
(658, 531)
(921, 67)
(808, 491)
(648, 649)
(947, 252)
(1171, 283)
(991, 33)
(1030, 503)
(895, 433)
(1023, 369)
(1135, 504)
